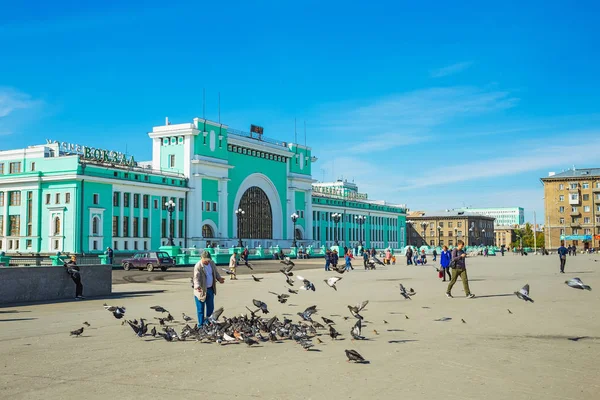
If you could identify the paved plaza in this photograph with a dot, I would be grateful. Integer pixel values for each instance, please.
(545, 350)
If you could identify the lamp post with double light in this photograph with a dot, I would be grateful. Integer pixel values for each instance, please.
(484, 241)
(424, 225)
(294, 218)
(360, 220)
(239, 215)
(170, 206)
(336, 219)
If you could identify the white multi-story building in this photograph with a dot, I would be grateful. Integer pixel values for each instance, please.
(504, 216)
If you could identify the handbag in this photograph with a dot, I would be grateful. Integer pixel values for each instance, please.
(441, 273)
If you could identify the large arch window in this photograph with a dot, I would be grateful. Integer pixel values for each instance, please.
(257, 220)
(207, 231)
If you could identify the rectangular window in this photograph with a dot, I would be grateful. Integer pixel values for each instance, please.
(171, 160)
(15, 167)
(145, 201)
(2, 168)
(574, 197)
(441, 224)
(585, 185)
(115, 226)
(450, 224)
(126, 245)
(116, 196)
(573, 186)
(33, 166)
(135, 245)
(96, 198)
(587, 231)
(145, 245)
(115, 245)
(208, 206)
(95, 243)
(67, 198)
(586, 220)
(561, 186)
(575, 231)
(136, 201)
(180, 204)
(14, 199)
(1, 199)
(126, 199)
(586, 208)
(573, 209)
(1, 225)
(29, 213)
(57, 198)
(561, 209)
(561, 198)
(155, 204)
(163, 202)
(214, 206)
(14, 227)
(586, 197)
(28, 242)
(459, 224)
(125, 226)
(180, 223)
(561, 221)
(135, 226)
(145, 227)
(163, 228)
(562, 231)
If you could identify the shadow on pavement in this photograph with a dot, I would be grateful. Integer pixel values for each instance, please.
(12, 311)
(16, 319)
(139, 293)
(495, 295)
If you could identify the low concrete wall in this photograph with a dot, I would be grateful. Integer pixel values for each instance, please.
(38, 284)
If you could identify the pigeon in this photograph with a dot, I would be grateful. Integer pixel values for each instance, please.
(333, 333)
(227, 271)
(406, 316)
(443, 319)
(170, 318)
(523, 294)
(186, 318)
(136, 328)
(332, 281)
(282, 298)
(287, 271)
(261, 305)
(354, 310)
(249, 341)
(87, 324)
(463, 321)
(353, 355)
(307, 284)
(118, 312)
(356, 330)
(287, 262)
(577, 284)
(77, 332)
(510, 312)
(328, 321)
(159, 309)
(289, 280)
(161, 321)
(404, 293)
(153, 332)
(215, 315)
(317, 325)
(306, 344)
(257, 279)
(319, 341)
(375, 331)
(292, 291)
(306, 314)
(167, 336)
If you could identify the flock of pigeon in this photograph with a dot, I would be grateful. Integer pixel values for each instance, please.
(255, 327)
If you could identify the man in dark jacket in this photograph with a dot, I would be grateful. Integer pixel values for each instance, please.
(327, 259)
(365, 255)
(562, 254)
(73, 270)
(334, 259)
(409, 256)
(459, 268)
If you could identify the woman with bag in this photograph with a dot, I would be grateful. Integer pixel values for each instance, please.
(445, 257)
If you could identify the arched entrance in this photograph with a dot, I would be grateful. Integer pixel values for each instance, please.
(207, 231)
(299, 234)
(257, 220)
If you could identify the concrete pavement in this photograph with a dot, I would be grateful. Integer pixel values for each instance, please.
(494, 355)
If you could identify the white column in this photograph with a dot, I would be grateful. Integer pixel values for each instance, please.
(308, 215)
(290, 209)
(121, 207)
(156, 143)
(222, 209)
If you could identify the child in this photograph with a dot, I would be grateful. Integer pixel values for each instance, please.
(423, 257)
(393, 260)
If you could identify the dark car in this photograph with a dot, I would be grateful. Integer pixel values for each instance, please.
(148, 260)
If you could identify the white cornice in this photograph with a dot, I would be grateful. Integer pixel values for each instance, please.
(303, 178)
(189, 130)
(88, 178)
(213, 162)
(259, 146)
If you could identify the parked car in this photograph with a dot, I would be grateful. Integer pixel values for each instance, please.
(148, 260)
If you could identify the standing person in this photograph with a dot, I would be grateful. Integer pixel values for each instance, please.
(348, 259)
(415, 256)
(233, 265)
(373, 252)
(434, 254)
(73, 270)
(245, 255)
(459, 268)
(423, 257)
(485, 252)
(365, 256)
(205, 286)
(334, 258)
(502, 251)
(409, 256)
(562, 254)
(327, 259)
(574, 250)
(445, 257)
(388, 256)
(109, 255)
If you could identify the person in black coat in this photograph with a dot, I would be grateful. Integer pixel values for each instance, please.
(73, 270)
(334, 259)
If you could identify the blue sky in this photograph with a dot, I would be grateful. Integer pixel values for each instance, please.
(435, 105)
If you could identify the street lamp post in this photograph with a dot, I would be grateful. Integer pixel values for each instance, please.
(424, 225)
(294, 218)
(471, 234)
(336, 219)
(439, 236)
(360, 220)
(170, 205)
(239, 214)
(484, 241)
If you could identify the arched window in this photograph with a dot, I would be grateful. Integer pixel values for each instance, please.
(207, 231)
(298, 234)
(95, 225)
(257, 220)
(56, 226)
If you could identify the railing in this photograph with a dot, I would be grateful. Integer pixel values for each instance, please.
(44, 260)
(256, 137)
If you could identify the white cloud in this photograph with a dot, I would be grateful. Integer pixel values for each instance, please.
(450, 69)
(12, 103)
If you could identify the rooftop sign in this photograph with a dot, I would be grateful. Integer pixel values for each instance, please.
(93, 154)
(343, 193)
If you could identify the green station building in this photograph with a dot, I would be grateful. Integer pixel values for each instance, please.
(226, 185)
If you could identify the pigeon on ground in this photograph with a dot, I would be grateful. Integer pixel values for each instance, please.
(463, 321)
(87, 324)
(118, 312)
(257, 279)
(317, 325)
(375, 331)
(523, 293)
(328, 321)
(333, 333)
(510, 312)
(306, 343)
(161, 321)
(153, 332)
(167, 336)
(384, 321)
(319, 341)
(170, 318)
(356, 331)
(307, 284)
(186, 318)
(353, 355)
(576, 283)
(77, 333)
(292, 291)
(249, 341)
(404, 293)
(282, 298)
(332, 281)
(406, 316)
(137, 329)
(159, 309)
(443, 319)
(261, 305)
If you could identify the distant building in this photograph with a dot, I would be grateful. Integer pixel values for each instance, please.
(572, 208)
(504, 216)
(504, 235)
(447, 227)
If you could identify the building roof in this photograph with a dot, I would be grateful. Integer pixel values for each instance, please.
(574, 173)
(446, 214)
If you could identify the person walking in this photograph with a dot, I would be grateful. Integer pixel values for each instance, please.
(327, 259)
(388, 256)
(445, 257)
(205, 286)
(409, 256)
(459, 268)
(423, 257)
(233, 265)
(502, 251)
(562, 254)
(348, 259)
(434, 254)
(334, 258)
(75, 273)
(365, 256)
(109, 255)
(416, 256)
